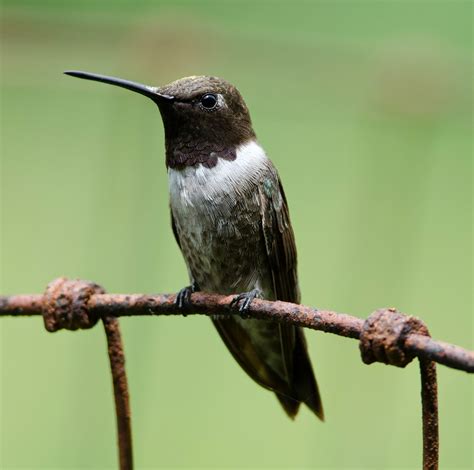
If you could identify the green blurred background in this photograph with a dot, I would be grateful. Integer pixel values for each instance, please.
(366, 110)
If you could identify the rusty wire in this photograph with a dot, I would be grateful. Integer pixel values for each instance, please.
(386, 336)
(122, 400)
(65, 305)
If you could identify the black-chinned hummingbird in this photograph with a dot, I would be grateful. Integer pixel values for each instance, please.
(230, 218)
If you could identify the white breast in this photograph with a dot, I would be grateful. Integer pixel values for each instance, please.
(193, 187)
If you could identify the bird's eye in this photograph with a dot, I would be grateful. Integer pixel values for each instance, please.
(209, 101)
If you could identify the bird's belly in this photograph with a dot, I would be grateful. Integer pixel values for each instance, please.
(224, 254)
(220, 237)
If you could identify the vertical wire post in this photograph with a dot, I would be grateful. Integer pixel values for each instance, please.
(429, 404)
(119, 379)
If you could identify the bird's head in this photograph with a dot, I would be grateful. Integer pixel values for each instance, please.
(205, 118)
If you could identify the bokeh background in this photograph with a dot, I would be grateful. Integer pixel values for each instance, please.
(366, 109)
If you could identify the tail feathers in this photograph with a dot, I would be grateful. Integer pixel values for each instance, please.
(290, 406)
(304, 383)
(299, 386)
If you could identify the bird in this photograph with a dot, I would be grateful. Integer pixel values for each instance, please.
(230, 218)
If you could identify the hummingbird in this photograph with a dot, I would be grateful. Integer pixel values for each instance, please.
(230, 218)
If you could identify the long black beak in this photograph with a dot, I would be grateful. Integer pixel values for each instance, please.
(149, 91)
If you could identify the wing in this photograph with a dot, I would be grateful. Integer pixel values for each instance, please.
(279, 239)
(281, 252)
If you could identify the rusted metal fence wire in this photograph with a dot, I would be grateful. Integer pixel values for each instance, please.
(386, 336)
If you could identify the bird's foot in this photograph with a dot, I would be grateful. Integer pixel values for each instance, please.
(244, 300)
(183, 297)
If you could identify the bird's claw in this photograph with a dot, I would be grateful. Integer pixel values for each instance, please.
(183, 297)
(244, 300)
